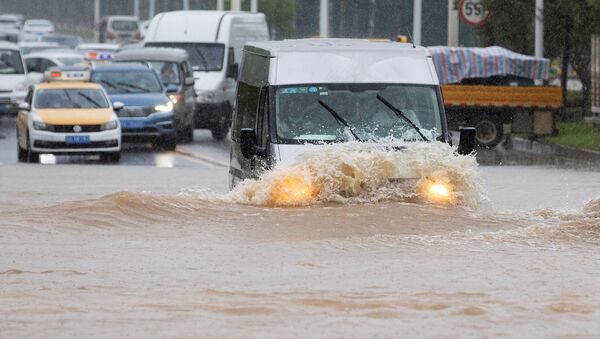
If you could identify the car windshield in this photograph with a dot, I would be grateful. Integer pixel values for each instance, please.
(122, 82)
(71, 98)
(300, 117)
(124, 25)
(70, 61)
(167, 71)
(10, 62)
(203, 57)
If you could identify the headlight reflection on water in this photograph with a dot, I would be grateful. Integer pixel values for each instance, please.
(438, 192)
(293, 190)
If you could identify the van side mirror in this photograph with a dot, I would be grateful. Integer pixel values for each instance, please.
(189, 81)
(233, 70)
(467, 140)
(117, 105)
(24, 106)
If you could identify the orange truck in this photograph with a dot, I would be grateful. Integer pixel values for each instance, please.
(488, 87)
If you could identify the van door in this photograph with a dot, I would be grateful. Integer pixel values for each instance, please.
(247, 103)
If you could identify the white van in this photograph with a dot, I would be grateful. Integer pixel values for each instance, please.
(313, 91)
(214, 42)
(13, 75)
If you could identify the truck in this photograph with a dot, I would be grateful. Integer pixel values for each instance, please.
(488, 87)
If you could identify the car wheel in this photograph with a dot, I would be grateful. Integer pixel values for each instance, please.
(168, 143)
(21, 153)
(488, 131)
(219, 132)
(32, 156)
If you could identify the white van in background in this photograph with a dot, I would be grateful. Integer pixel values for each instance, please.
(214, 42)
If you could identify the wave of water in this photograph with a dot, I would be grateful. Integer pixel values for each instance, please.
(366, 172)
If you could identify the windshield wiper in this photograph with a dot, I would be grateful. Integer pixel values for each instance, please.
(338, 118)
(204, 61)
(71, 99)
(143, 89)
(94, 102)
(401, 115)
(113, 86)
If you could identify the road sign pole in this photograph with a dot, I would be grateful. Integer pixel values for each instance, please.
(96, 19)
(220, 5)
(254, 6)
(539, 28)
(452, 24)
(151, 9)
(136, 8)
(236, 5)
(417, 11)
(324, 18)
(186, 5)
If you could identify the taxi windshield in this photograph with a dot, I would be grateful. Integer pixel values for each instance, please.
(300, 116)
(127, 82)
(71, 98)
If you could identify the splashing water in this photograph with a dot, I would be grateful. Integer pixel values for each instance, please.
(365, 172)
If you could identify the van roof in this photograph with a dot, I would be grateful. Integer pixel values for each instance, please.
(152, 54)
(192, 26)
(312, 61)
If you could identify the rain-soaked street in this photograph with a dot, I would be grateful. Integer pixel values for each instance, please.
(156, 246)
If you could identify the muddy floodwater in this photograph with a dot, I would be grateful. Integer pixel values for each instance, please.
(147, 252)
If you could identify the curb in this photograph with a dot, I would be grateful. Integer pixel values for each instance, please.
(540, 148)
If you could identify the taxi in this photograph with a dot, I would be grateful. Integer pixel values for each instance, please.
(68, 114)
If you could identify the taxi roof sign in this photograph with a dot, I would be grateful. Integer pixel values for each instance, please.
(67, 74)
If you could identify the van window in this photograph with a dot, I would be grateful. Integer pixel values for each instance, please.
(203, 56)
(262, 123)
(10, 62)
(167, 71)
(246, 107)
(300, 117)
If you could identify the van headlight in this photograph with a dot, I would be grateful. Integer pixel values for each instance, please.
(109, 125)
(41, 126)
(166, 107)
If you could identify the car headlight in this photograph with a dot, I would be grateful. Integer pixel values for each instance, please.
(41, 126)
(166, 107)
(109, 125)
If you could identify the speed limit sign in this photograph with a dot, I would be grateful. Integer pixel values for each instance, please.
(473, 13)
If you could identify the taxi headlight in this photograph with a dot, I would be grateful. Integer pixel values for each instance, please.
(41, 126)
(109, 125)
(175, 98)
(166, 107)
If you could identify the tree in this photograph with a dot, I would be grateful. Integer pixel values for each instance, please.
(568, 26)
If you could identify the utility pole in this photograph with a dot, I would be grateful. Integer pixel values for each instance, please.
(539, 28)
(151, 9)
(220, 5)
(254, 6)
(452, 24)
(186, 5)
(236, 5)
(136, 8)
(96, 19)
(417, 12)
(324, 19)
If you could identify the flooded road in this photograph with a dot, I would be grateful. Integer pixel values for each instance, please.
(135, 251)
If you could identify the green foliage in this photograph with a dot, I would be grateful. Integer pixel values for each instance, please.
(280, 16)
(576, 134)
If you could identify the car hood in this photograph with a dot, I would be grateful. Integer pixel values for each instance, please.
(9, 82)
(61, 116)
(139, 99)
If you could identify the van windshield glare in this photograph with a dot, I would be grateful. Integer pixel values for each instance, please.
(300, 117)
(203, 56)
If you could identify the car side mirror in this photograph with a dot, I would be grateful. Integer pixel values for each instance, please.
(233, 70)
(117, 105)
(24, 106)
(172, 88)
(189, 81)
(467, 141)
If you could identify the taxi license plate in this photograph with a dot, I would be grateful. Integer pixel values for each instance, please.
(77, 139)
(132, 124)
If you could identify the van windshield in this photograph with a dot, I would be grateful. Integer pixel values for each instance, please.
(203, 56)
(301, 118)
(10, 62)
